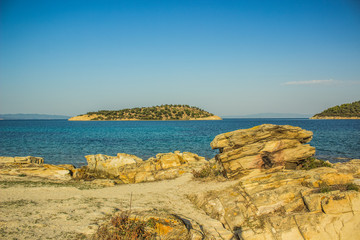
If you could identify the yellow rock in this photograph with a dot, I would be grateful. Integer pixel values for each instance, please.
(335, 204)
(144, 177)
(169, 160)
(265, 146)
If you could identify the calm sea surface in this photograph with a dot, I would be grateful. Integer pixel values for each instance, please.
(62, 141)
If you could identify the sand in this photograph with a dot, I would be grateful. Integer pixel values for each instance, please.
(62, 211)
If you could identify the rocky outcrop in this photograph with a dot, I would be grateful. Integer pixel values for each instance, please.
(131, 169)
(272, 200)
(34, 167)
(21, 160)
(288, 204)
(263, 146)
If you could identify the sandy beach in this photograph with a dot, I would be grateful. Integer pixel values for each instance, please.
(35, 209)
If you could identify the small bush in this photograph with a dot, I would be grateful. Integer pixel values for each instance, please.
(352, 186)
(325, 189)
(122, 227)
(338, 187)
(207, 171)
(312, 163)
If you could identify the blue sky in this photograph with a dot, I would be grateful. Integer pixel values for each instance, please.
(228, 57)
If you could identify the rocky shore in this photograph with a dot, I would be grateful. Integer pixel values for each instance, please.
(263, 184)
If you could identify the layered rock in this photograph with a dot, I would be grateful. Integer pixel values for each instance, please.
(107, 170)
(131, 169)
(289, 204)
(263, 146)
(34, 167)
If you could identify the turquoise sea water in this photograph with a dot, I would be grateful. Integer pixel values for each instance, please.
(61, 141)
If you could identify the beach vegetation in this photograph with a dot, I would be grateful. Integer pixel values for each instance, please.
(311, 163)
(46, 183)
(352, 187)
(325, 188)
(123, 226)
(206, 172)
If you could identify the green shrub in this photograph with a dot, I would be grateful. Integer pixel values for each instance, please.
(352, 186)
(325, 189)
(312, 163)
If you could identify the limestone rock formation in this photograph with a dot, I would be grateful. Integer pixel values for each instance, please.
(34, 167)
(288, 204)
(109, 165)
(21, 160)
(131, 169)
(263, 146)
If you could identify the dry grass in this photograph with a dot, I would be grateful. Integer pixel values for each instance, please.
(124, 227)
(207, 172)
(341, 187)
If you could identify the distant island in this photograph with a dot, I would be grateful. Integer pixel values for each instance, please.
(22, 116)
(163, 112)
(344, 111)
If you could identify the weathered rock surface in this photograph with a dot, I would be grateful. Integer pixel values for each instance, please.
(21, 160)
(131, 169)
(288, 204)
(263, 146)
(34, 167)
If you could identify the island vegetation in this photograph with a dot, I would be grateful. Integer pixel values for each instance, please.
(344, 111)
(162, 112)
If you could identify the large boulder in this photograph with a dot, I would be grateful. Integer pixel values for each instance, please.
(110, 166)
(131, 169)
(263, 146)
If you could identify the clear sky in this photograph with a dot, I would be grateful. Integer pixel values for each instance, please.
(227, 57)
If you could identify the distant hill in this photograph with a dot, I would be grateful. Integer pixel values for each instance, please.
(163, 112)
(271, 115)
(344, 111)
(21, 116)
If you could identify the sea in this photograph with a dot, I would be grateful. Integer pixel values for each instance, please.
(62, 141)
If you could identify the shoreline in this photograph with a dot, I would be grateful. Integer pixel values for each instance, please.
(185, 196)
(334, 118)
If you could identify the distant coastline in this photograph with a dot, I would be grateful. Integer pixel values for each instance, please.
(156, 113)
(333, 118)
(89, 118)
(25, 116)
(343, 111)
(191, 119)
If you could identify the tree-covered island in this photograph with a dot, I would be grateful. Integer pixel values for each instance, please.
(344, 111)
(163, 112)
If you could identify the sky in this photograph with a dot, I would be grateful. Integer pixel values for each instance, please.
(228, 57)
